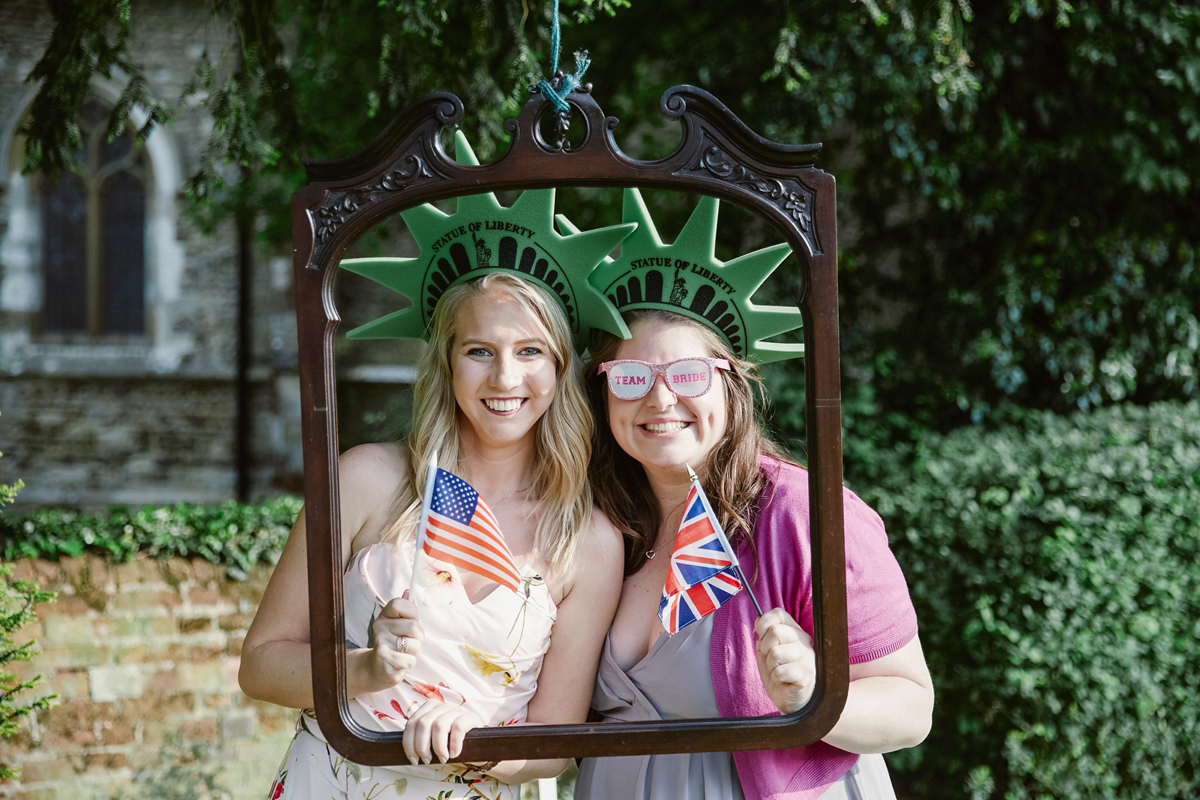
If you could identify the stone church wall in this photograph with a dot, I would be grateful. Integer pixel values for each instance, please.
(91, 421)
(87, 422)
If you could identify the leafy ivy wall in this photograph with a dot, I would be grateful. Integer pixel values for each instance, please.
(142, 648)
(143, 656)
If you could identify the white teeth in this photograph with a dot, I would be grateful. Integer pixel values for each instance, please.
(503, 405)
(664, 427)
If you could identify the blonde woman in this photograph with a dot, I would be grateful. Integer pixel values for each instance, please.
(498, 397)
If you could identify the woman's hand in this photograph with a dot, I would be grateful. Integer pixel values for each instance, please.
(436, 730)
(398, 636)
(786, 660)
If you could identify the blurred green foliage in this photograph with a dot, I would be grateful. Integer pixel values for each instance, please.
(1015, 193)
(1055, 566)
(17, 601)
(300, 79)
(235, 535)
(1020, 230)
(1047, 252)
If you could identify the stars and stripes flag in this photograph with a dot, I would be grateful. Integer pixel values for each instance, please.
(704, 572)
(457, 527)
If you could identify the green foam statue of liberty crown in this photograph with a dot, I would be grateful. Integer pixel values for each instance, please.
(482, 236)
(685, 277)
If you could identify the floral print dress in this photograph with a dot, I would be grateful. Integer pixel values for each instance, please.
(485, 655)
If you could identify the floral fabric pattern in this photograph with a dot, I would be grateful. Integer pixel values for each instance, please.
(313, 769)
(485, 655)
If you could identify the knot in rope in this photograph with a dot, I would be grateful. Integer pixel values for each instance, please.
(569, 83)
(558, 96)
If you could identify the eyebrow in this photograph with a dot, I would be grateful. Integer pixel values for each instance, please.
(519, 343)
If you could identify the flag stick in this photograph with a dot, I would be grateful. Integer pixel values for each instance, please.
(746, 583)
(423, 523)
(724, 539)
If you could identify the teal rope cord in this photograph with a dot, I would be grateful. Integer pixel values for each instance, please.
(570, 82)
(555, 41)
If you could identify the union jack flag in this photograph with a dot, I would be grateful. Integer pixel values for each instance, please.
(461, 530)
(703, 572)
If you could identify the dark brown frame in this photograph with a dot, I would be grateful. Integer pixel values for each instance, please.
(718, 156)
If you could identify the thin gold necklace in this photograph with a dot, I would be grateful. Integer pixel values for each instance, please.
(511, 494)
(650, 553)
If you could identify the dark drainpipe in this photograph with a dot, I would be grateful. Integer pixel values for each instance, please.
(245, 311)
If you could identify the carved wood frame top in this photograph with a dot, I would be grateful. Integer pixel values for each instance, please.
(718, 156)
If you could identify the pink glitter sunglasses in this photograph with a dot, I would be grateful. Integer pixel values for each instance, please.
(629, 379)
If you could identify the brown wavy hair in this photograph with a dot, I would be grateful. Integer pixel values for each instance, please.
(730, 473)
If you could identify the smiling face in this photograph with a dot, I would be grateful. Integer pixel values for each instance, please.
(663, 431)
(504, 371)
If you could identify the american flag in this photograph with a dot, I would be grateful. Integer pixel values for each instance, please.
(703, 573)
(461, 530)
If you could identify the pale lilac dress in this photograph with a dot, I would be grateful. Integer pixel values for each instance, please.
(485, 655)
(672, 681)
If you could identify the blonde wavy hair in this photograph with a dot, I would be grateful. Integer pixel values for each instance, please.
(562, 437)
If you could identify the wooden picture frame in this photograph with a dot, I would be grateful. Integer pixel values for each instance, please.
(718, 156)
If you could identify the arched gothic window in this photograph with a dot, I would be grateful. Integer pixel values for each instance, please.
(93, 236)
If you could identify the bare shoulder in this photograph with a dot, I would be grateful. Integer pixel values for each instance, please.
(605, 540)
(383, 464)
(599, 563)
(368, 476)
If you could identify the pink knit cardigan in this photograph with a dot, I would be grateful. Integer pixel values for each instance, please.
(880, 619)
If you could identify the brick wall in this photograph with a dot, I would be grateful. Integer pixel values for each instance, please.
(141, 654)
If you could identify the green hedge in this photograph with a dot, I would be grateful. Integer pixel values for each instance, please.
(1055, 565)
(234, 535)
